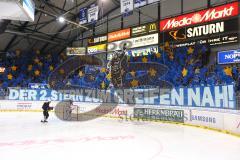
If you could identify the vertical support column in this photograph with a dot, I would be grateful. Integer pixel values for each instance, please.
(122, 25)
(107, 24)
(209, 3)
(181, 6)
(139, 17)
(82, 39)
(159, 11)
(209, 47)
(94, 29)
(107, 33)
(159, 18)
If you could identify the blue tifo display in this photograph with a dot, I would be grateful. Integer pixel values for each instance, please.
(203, 96)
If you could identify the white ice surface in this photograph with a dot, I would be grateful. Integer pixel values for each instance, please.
(23, 137)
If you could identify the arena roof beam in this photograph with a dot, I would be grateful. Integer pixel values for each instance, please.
(34, 37)
(106, 14)
(55, 7)
(61, 29)
(8, 46)
(29, 31)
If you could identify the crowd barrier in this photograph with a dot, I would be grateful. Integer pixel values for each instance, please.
(224, 120)
(213, 107)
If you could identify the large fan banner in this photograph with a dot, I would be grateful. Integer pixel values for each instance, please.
(202, 96)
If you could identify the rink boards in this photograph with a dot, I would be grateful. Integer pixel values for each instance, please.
(227, 121)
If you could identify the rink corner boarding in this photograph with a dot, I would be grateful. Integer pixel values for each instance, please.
(220, 120)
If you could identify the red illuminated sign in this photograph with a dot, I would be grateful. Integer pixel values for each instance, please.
(207, 15)
(119, 35)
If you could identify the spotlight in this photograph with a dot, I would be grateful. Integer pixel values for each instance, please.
(61, 19)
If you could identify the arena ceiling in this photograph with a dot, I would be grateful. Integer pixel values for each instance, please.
(47, 34)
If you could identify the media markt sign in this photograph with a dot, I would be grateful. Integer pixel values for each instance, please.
(208, 15)
(159, 114)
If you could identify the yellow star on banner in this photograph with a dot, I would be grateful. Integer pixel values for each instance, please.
(37, 52)
(108, 76)
(30, 67)
(228, 71)
(171, 55)
(134, 83)
(40, 64)
(103, 70)
(166, 44)
(36, 60)
(18, 52)
(103, 85)
(14, 68)
(190, 50)
(133, 74)
(61, 71)
(144, 60)
(9, 76)
(64, 57)
(184, 72)
(51, 68)
(81, 74)
(152, 72)
(37, 73)
(158, 55)
(53, 83)
(92, 78)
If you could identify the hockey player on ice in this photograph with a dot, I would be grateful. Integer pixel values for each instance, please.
(46, 108)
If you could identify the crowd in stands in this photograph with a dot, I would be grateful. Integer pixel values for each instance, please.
(186, 66)
(20, 69)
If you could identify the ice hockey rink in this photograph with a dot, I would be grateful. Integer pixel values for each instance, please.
(24, 137)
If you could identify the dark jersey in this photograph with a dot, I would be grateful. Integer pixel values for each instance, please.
(46, 106)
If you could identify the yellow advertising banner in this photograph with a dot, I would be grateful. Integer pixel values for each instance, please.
(97, 49)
